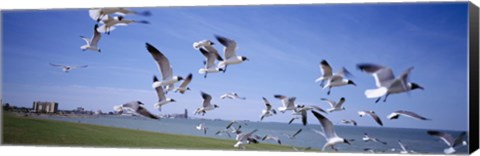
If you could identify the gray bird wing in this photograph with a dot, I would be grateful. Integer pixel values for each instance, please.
(187, 81)
(206, 99)
(382, 75)
(327, 125)
(230, 46)
(162, 62)
(325, 69)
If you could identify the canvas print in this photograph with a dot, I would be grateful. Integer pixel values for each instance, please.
(348, 78)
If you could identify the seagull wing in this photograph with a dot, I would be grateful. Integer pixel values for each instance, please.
(291, 102)
(74, 67)
(340, 103)
(96, 36)
(283, 98)
(57, 65)
(94, 14)
(459, 139)
(267, 104)
(330, 102)
(298, 132)
(326, 124)
(375, 117)
(206, 99)
(344, 72)
(318, 108)
(186, 81)
(411, 114)
(382, 75)
(230, 46)
(162, 62)
(214, 51)
(319, 132)
(146, 113)
(447, 138)
(159, 90)
(402, 146)
(325, 69)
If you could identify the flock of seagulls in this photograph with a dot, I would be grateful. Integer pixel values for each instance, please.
(386, 84)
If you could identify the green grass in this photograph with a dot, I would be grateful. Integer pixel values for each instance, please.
(29, 131)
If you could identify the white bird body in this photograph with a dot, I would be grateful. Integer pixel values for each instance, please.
(337, 79)
(206, 106)
(162, 99)
(202, 127)
(386, 82)
(92, 43)
(229, 51)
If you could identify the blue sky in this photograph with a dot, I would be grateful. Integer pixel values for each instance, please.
(284, 43)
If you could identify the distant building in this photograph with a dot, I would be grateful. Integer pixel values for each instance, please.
(45, 107)
(186, 114)
(80, 110)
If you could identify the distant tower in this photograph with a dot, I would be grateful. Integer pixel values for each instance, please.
(186, 114)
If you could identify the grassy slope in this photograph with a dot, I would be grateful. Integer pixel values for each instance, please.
(28, 131)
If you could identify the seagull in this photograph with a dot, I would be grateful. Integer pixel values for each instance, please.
(268, 111)
(135, 106)
(230, 46)
(229, 129)
(67, 68)
(302, 111)
(413, 115)
(288, 103)
(183, 87)
(245, 138)
(292, 136)
(92, 44)
(372, 114)
(338, 79)
(207, 45)
(334, 106)
(201, 127)
(403, 149)
(206, 106)
(271, 137)
(449, 140)
(109, 23)
(301, 149)
(328, 132)
(162, 100)
(232, 95)
(209, 62)
(349, 121)
(326, 72)
(386, 82)
(99, 14)
(168, 79)
(367, 138)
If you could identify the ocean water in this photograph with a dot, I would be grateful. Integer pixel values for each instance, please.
(414, 139)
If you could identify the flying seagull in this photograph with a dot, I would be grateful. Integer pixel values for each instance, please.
(349, 122)
(403, 149)
(232, 95)
(338, 79)
(386, 82)
(206, 106)
(326, 72)
(162, 100)
(413, 115)
(329, 133)
(230, 46)
(201, 127)
(245, 138)
(302, 111)
(92, 43)
(168, 79)
(334, 106)
(99, 14)
(288, 103)
(207, 45)
(135, 106)
(372, 114)
(271, 137)
(449, 140)
(110, 23)
(292, 136)
(209, 63)
(367, 138)
(183, 86)
(268, 111)
(67, 68)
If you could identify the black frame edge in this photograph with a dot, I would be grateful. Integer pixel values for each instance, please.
(473, 40)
